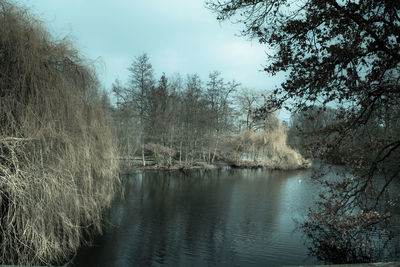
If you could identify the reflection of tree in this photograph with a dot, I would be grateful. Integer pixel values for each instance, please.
(209, 217)
(206, 216)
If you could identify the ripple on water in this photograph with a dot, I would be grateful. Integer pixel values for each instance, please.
(216, 218)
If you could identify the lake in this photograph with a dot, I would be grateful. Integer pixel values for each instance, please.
(226, 217)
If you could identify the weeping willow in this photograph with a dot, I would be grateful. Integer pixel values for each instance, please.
(57, 155)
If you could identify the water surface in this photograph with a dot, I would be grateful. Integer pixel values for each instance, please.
(231, 217)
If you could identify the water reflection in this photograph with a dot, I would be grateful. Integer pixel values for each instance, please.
(228, 217)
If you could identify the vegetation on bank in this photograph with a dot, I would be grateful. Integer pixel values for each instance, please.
(267, 148)
(57, 155)
(181, 123)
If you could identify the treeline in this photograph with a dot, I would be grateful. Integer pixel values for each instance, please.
(181, 122)
(172, 114)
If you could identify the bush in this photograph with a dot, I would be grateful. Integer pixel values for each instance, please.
(162, 154)
(57, 157)
(267, 148)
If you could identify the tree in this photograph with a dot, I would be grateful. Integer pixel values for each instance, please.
(217, 94)
(159, 114)
(126, 122)
(135, 96)
(58, 167)
(307, 131)
(345, 54)
(192, 117)
(247, 101)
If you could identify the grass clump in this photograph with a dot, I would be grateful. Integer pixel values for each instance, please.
(265, 148)
(57, 155)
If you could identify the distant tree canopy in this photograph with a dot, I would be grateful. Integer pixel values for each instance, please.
(180, 123)
(174, 117)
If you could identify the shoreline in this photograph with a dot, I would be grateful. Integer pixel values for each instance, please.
(201, 165)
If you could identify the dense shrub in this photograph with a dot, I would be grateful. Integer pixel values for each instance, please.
(57, 157)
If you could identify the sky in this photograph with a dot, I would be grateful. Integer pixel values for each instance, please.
(179, 36)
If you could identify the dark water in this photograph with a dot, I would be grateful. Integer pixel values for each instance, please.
(228, 217)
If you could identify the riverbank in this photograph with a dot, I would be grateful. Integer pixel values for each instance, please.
(137, 164)
(273, 165)
(127, 164)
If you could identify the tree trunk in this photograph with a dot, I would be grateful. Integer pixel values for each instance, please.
(180, 152)
(194, 150)
(215, 150)
(143, 158)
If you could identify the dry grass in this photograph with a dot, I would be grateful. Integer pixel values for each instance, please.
(162, 154)
(57, 157)
(266, 148)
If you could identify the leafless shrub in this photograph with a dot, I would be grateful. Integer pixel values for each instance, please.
(162, 154)
(57, 157)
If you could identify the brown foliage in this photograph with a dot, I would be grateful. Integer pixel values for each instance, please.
(57, 157)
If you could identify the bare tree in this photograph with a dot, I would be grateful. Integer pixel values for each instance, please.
(247, 101)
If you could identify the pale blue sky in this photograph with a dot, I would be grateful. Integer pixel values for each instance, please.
(178, 35)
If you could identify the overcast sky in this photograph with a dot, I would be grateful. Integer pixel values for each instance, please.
(179, 36)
